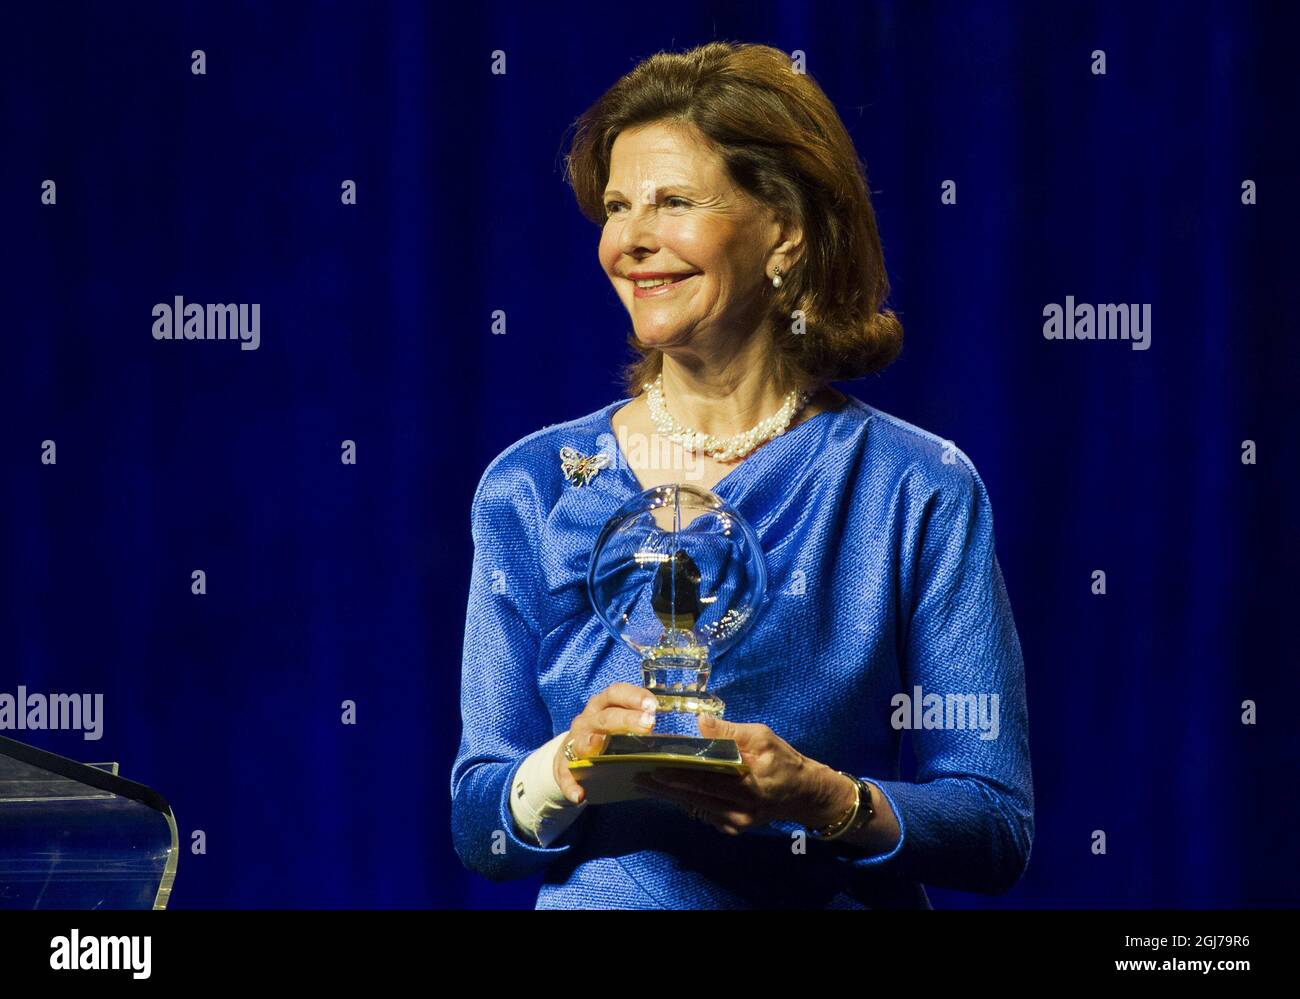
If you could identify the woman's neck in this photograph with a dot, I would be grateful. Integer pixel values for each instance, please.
(721, 402)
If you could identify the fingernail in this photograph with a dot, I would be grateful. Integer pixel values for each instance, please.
(648, 720)
(649, 704)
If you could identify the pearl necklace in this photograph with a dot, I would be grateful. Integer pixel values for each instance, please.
(722, 448)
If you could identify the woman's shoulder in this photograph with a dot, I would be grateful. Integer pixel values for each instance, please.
(907, 455)
(536, 461)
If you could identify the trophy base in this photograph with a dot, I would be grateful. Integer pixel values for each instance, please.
(609, 777)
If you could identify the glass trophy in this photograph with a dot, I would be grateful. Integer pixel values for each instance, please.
(679, 577)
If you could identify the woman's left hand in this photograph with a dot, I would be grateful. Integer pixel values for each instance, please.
(782, 783)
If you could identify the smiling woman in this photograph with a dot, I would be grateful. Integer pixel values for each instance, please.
(708, 250)
(737, 231)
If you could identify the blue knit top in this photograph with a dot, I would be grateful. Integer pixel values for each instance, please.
(887, 610)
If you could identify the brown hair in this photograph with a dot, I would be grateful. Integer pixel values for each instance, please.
(783, 143)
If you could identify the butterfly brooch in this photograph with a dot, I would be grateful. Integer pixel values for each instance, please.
(580, 469)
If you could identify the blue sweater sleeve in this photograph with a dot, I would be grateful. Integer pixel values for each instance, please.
(967, 821)
(502, 714)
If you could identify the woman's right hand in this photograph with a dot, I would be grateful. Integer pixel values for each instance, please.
(620, 707)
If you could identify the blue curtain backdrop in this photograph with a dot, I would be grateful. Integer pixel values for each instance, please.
(329, 582)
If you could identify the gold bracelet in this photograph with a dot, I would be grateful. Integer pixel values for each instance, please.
(846, 820)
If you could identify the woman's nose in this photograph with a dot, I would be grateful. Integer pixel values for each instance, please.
(638, 229)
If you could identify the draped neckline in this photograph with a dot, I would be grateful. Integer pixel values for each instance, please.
(732, 485)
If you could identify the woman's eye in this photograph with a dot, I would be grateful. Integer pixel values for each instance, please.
(673, 201)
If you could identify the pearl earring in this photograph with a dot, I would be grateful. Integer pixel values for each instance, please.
(776, 278)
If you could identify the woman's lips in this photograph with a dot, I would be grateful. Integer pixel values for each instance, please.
(663, 289)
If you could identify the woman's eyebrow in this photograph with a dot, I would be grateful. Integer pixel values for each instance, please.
(660, 188)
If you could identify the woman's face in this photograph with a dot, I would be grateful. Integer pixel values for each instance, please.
(670, 209)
